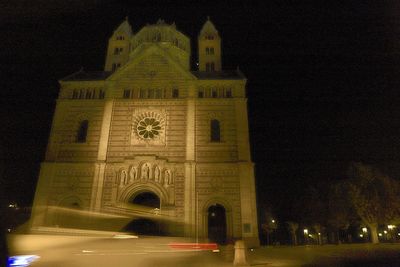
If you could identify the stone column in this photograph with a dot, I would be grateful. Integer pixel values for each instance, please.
(99, 173)
(248, 204)
(246, 176)
(190, 166)
(242, 129)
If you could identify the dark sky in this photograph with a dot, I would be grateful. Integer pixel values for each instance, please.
(322, 80)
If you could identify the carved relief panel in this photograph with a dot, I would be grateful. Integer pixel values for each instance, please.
(144, 172)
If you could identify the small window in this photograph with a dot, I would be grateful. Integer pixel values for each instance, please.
(118, 50)
(175, 93)
(158, 93)
(88, 94)
(228, 93)
(207, 92)
(127, 93)
(207, 51)
(211, 50)
(75, 94)
(115, 66)
(207, 66)
(201, 93)
(215, 131)
(82, 132)
(142, 93)
(151, 93)
(101, 94)
(120, 37)
(212, 66)
(214, 93)
(81, 93)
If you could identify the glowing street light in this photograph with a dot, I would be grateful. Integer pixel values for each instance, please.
(305, 231)
(364, 229)
(391, 226)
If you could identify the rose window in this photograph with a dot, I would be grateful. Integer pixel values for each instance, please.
(148, 128)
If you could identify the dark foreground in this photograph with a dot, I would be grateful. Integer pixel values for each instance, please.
(357, 255)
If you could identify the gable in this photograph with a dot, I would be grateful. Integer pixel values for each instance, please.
(152, 64)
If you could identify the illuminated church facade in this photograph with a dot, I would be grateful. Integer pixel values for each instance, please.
(150, 131)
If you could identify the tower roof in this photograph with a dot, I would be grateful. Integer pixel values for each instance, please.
(125, 27)
(208, 27)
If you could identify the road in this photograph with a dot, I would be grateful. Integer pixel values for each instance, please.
(74, 251)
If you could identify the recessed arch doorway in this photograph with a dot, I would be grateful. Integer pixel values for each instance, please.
(145, 225)
(217, 227)
(146, 199)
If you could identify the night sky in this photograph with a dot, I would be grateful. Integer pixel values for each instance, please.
(323, 80)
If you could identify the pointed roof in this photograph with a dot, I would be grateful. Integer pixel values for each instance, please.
(82, 75)
(172, 65)
(125, 27)
(208, 27)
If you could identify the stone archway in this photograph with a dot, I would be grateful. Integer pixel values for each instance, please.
(216, 224)
(222, 210)
(145, 225)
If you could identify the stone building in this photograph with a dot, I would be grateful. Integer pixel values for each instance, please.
(150, 131)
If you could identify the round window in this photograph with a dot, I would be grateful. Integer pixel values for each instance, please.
(148, 128)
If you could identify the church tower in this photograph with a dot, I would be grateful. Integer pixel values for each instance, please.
(118, 47)
(209, 43)
(151, 145)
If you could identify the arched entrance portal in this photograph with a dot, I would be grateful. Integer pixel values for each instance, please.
(145, 226)
(147, 199)
(217, 223)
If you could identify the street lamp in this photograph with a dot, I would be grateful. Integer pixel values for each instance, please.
(305, 231)
(364, 233)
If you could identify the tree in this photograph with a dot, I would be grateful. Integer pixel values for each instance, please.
(292, 227)
(318, 230)
(340, 210)
(269, 225)
(374, 196)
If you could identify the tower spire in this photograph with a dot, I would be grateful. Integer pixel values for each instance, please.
(209, 48)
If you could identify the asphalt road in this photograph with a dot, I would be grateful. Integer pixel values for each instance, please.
(74, 251)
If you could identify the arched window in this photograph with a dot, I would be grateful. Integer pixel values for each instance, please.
(75, 94)
(101, 94)
(175, 93)
(215, 133)
(82, 132)
(214, 93)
